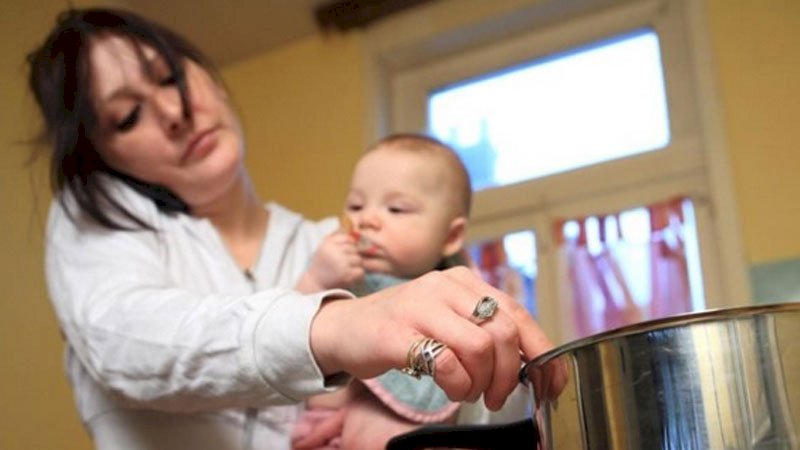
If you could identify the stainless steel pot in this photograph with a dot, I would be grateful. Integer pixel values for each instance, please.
(721, 379)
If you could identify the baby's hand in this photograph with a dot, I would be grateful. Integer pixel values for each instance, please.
(336, 264)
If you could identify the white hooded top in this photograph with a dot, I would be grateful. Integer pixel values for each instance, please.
(170, 345)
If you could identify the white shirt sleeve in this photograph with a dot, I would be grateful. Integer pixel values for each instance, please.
(153, 344)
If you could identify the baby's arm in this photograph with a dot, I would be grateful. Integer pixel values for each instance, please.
(349, 419)
(320, 426)
(369, 424)
(335, 399)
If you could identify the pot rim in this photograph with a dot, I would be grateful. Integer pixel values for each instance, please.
(710, 315)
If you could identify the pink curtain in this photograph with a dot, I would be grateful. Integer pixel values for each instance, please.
(670, 276)
(601, 276)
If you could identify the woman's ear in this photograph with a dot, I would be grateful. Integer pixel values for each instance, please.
(455, 236)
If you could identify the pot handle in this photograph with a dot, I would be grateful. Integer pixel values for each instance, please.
(523, 434)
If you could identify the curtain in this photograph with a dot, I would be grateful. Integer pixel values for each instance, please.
(618, 272)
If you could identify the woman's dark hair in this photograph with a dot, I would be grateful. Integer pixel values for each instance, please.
(60, 78)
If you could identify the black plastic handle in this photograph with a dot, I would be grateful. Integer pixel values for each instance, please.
(523, 434)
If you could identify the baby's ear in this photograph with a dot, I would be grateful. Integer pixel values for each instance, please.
(455, 236)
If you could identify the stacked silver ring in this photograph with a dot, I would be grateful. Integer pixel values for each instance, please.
(421, 359)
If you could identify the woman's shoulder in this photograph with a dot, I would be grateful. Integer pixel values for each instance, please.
(66, 215)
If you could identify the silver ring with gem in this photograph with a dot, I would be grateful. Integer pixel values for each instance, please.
(485, 309)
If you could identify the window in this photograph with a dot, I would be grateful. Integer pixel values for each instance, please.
(509, 263)
(587, 106)
(568, 111)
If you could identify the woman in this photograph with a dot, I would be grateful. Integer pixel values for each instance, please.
(174, 283)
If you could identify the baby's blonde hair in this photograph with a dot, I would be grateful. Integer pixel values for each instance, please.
(459, 182)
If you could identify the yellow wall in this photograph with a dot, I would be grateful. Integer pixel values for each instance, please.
(37, 410)
(757, 53)
(303, 107)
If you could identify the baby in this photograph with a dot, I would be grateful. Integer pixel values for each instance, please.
(406, 214)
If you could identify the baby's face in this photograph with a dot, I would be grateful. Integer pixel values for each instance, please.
(398, 206)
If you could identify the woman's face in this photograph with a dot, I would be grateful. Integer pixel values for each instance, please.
(143, 132)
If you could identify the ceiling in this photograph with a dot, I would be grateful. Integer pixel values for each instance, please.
(230, 30)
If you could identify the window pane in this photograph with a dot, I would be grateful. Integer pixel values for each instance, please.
(559, 113)
(509, 264)
(633, 265)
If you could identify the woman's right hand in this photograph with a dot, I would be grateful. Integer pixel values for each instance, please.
(368, 336)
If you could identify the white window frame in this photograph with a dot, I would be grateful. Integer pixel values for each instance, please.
(451, 40)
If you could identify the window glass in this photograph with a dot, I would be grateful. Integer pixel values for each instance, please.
(638, 264)
(570, 110)
(509, 264)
